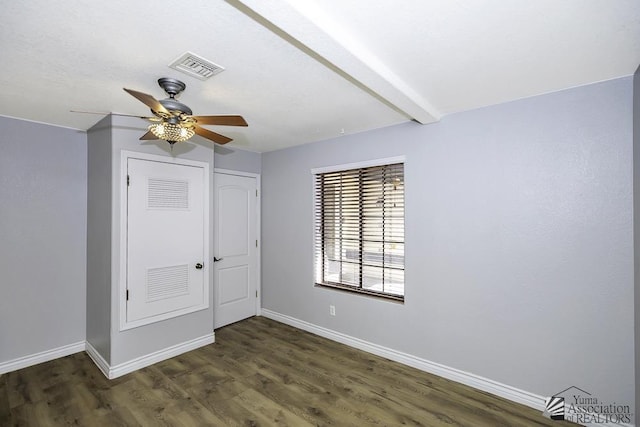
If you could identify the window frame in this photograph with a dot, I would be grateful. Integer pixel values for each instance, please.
(317, 274)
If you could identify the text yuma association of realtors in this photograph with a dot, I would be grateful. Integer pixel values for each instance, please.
(590, 410)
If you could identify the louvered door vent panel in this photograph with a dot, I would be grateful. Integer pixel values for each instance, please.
(167, 194)
(167, 282)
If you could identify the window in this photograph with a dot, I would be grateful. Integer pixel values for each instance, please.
(359, 230)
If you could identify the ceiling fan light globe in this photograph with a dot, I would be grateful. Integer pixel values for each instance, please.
(171, 132)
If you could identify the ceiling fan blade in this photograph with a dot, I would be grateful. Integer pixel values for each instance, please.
(106, 113)
(148, 136)
(221, 120)
(215, 137)
(148, 100)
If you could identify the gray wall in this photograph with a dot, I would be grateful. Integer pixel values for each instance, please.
(636, 227)
(43, 205)
(99, 238)
(519, 247)
(237, 160)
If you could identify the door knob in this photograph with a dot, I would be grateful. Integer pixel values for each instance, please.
(216, 259)
(199, 266)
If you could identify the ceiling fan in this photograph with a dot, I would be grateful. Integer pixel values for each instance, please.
(173, 121)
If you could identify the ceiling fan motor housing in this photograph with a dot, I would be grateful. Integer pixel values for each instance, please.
(172, 104)
(173, 87)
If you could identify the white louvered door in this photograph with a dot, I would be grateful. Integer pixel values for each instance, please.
(166, 269)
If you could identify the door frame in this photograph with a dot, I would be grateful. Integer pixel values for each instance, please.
(125, 155)
(258, 232)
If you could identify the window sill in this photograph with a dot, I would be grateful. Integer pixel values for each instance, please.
(360, 291)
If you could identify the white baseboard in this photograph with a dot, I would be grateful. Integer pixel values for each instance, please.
(475, 381)
(121, 369)
(109, 371)
(43, 356)
(98, 359)
(502, 390)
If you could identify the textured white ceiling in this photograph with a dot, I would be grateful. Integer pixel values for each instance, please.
(305, 70)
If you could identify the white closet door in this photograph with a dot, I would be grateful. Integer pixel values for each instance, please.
(236, 248)
(166, 269)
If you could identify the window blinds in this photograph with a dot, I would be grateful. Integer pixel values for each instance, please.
(359, 228)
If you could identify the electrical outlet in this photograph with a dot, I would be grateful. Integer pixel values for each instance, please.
(332, 310)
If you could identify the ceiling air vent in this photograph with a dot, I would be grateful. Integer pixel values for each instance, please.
(196, 66)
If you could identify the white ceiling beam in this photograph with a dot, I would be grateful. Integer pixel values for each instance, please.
(319, 35)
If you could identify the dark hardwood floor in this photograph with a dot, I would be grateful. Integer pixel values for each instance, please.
(259, 373)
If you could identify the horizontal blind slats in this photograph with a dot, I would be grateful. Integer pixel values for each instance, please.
(359, 228)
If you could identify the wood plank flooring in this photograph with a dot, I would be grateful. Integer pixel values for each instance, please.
(258, 373)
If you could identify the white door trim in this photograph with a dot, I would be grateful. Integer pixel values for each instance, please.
(258, 232)
(125, 155)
